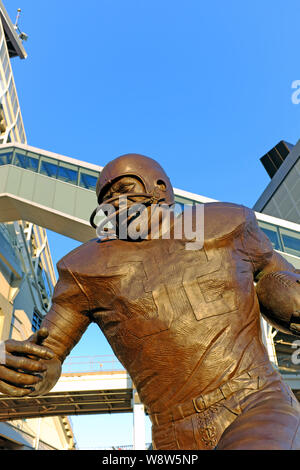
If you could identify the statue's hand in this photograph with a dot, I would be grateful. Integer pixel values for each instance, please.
(27, 367)
(49, 378)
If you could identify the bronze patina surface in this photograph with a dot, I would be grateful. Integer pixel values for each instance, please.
(184, 323)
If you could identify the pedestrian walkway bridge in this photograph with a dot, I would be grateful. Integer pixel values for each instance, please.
(92, 389)
(97, 385)
(75, 394)
(53, 191)
(90, 385)
(46, 189)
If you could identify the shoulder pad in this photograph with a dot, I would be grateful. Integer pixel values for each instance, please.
(223, 219)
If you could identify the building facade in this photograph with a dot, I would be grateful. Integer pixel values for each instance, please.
(281, 198)
(27, 275)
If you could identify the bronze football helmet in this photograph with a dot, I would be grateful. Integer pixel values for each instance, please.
(158, 188)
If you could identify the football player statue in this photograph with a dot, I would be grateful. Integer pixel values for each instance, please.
(184, 321)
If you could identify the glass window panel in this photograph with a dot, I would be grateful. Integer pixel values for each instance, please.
(285, 206)
(36, 321)
(15, 132)
(272, 233)
(45, 280)
(291, 179)
(178, 208)
(19, 124)
(271, 209)
(48, 167)
(296, 191)
(88, 179)
(184, 200)
(16, 107)
(21, 131)
(23, 135)
(32, 163)
(4, 62)
(67, 173)
(294, 215)
(27, 162)
(8, 112)
(6, 158)
(7, 72)
(291, 241)
(12, 136)
(11, 90)
(280, 194)
(20, 160)
(2, 53)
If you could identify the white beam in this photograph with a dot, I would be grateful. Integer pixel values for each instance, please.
(139, 433)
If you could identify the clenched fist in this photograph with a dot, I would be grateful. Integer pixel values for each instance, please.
(27, 367)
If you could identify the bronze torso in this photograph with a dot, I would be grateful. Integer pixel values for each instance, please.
(182, 322)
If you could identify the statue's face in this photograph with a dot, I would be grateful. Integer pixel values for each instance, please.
(128, 186)
(124, 185)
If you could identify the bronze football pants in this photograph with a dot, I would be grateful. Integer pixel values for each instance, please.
(255, 411)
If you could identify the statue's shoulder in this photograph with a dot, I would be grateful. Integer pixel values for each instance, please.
(88, 257)
(222, 219)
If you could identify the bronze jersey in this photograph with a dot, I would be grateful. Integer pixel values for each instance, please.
(182, 322)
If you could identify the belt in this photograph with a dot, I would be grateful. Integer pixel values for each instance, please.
(248, 379)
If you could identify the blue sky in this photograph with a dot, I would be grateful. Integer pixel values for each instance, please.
(203, 87)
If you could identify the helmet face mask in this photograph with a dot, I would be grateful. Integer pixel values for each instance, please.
(134, 178)
(121, 186)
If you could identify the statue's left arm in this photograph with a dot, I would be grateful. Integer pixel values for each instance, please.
(32, 367)
(278, 281)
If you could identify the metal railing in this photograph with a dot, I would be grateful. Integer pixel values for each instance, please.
(86, 364)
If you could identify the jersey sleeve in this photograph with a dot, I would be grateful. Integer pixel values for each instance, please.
(68, 317)
(259, 250)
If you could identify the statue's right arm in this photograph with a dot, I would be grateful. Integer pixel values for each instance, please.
(32, 367)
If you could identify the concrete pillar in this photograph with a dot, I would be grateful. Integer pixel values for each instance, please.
(139, 435)
(38, 434)
(268, 340)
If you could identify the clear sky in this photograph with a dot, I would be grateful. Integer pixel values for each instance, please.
(203, 87)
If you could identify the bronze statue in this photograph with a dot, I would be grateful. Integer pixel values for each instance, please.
(184, 323)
